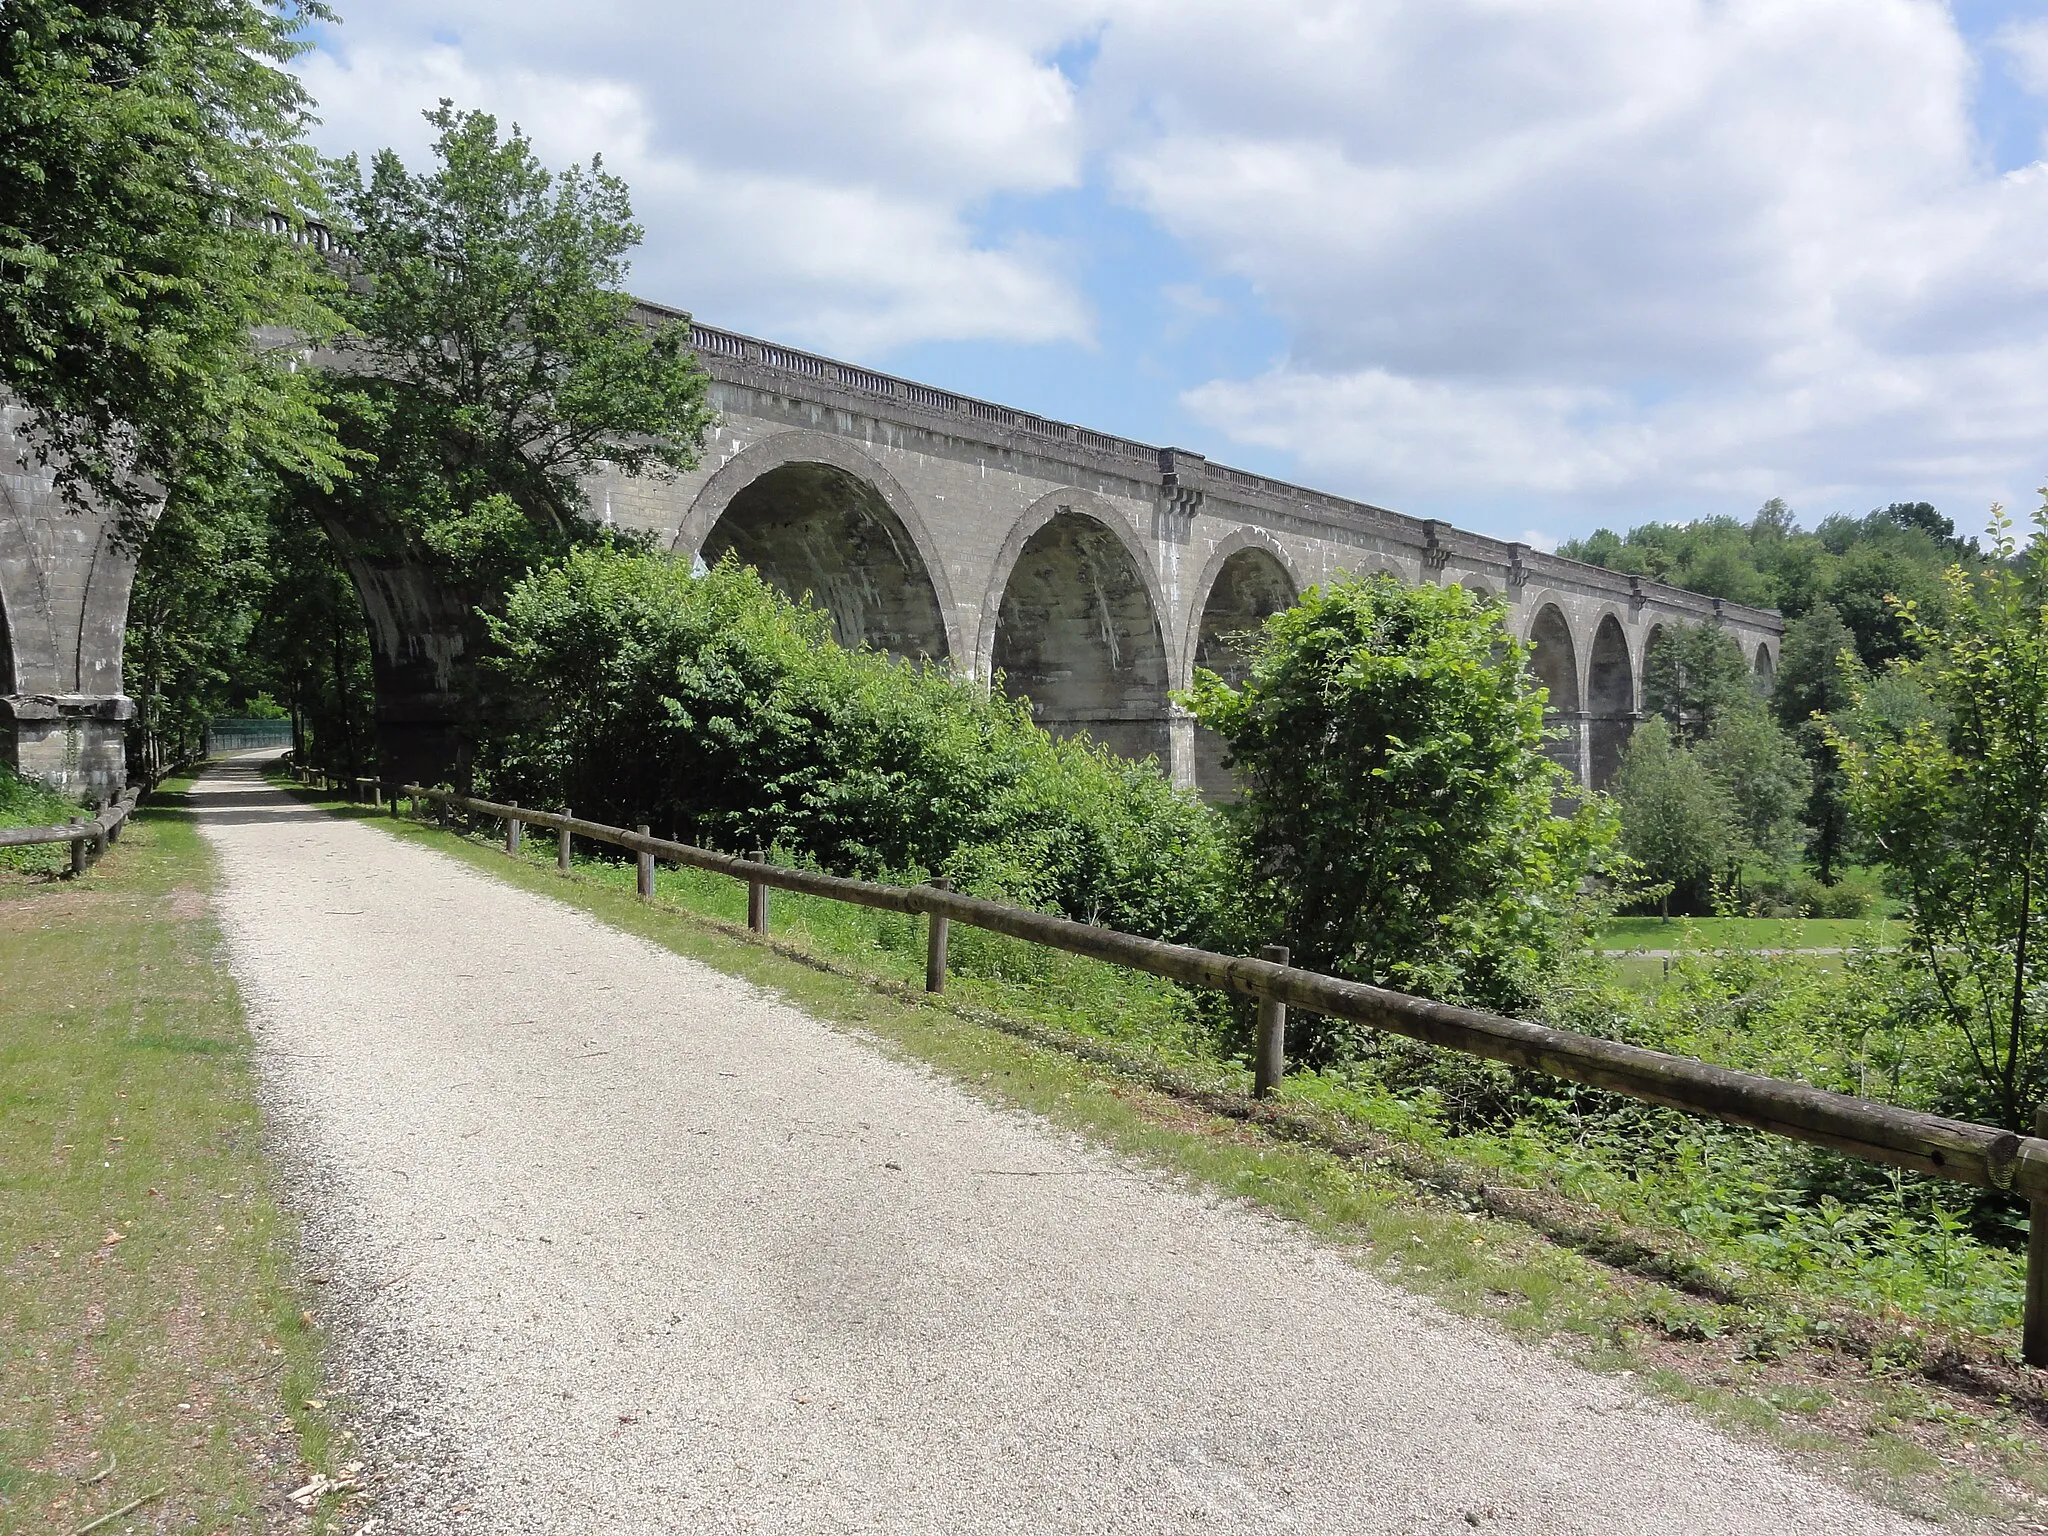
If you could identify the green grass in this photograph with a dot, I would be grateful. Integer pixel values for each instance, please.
(25, 803)
(1417, 1222)
(1748, 933)
(1647, 973)
(148, 1320)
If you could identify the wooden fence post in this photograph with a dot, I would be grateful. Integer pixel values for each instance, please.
(77, 849)
(1271, 1061)
(512, 828)
(2034, 1345)
(646, 868)
(937, 928)
(562, 848)
(757, 896)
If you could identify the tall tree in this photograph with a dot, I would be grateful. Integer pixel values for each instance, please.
(1693, 675)
(308, 646)
(1818, 674)
(492, 362)
(492, 333)
(200, 577)
(1678, 821)
(148, 149)
(1767, 780)
(1956, 796)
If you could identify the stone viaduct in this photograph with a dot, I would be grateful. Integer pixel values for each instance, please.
(1093, 573)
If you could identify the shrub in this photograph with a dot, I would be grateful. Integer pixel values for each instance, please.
(1954, 789)
(1398, 808)
(1677, 820)
(26, 803)
(714, 708)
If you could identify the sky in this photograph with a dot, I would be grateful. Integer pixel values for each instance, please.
(1530, 266)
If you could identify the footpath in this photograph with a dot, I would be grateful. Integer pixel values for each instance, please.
(614, 1242)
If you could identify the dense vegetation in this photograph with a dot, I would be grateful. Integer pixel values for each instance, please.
(145, 148)
(25, 803)
(1954, 796)
(1401, 822)
(1857, 565)
(1740, 797)
(714, 707)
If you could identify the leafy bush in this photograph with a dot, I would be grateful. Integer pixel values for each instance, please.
(1398, 812)
(716, 709)
(1767, 779)
(1678, 820)
(26, 803)
(1795, 893)
(1948, 769)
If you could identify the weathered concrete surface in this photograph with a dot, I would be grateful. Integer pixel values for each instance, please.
(620, 1244)
(65, 576)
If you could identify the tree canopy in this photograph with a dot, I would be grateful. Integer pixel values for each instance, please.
(1854, 563)
(1694, 675)
(1678, 819)
(147, 150)
(492, 359)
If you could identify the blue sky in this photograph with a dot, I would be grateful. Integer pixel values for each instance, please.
(1534, 266)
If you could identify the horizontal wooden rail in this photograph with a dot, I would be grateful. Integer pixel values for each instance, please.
(88, 839)
(1876, 1132)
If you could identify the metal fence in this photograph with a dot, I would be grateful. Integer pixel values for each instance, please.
(233, 735)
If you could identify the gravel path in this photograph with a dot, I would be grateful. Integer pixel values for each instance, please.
(616, 1243)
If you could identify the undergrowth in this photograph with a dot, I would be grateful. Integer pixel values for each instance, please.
(26, 803)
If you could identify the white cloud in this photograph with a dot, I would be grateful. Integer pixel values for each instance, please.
(1623, 251)
(1605, 256)
(2025, 44)
(806, 171)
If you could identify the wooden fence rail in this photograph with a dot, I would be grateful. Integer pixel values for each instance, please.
(88, 839)
(1957, 1150)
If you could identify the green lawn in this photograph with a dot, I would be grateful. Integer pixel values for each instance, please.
(149, 1324)
(1749, 933)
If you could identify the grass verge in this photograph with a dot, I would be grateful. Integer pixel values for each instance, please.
(1043, 1032)
(151, 1334)
(1791, 933)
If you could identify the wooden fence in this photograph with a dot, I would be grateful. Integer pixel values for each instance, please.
(88, 839)
(1957, 1150)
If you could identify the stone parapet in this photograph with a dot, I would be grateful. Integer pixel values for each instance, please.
(1182, 478)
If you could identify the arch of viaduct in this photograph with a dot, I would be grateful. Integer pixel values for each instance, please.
(1091, 573)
